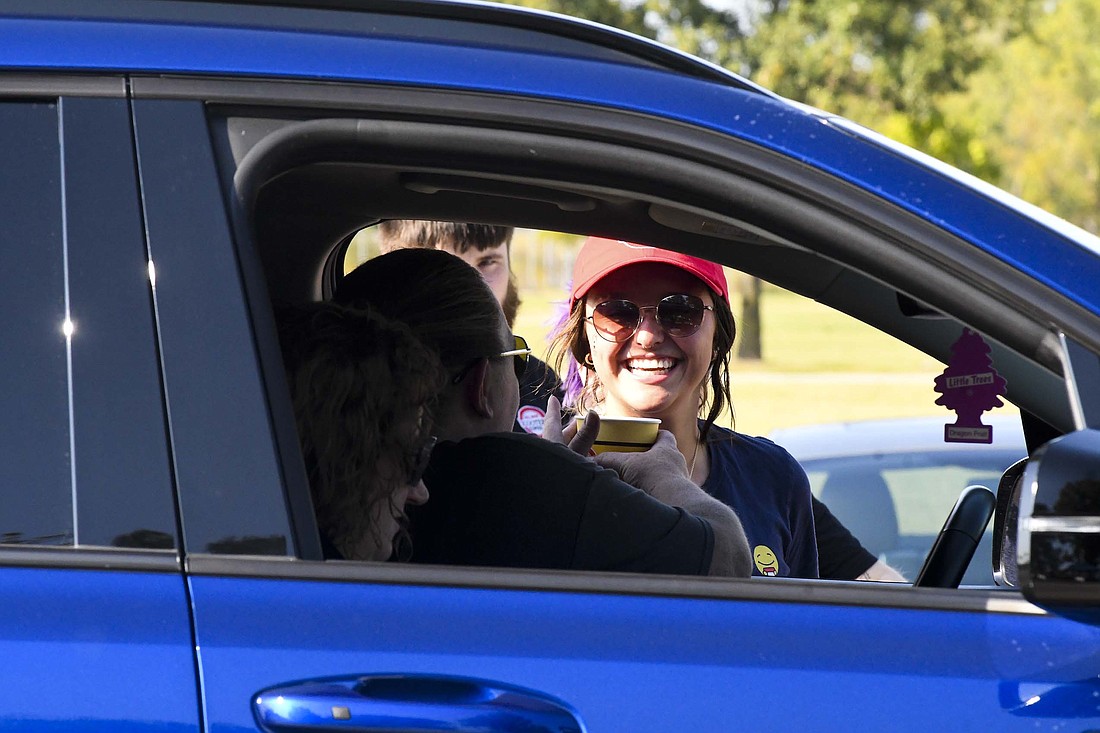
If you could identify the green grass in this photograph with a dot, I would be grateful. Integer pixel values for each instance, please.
(800, 335)
(819, 366)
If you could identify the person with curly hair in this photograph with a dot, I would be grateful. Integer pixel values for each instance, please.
(362, 387)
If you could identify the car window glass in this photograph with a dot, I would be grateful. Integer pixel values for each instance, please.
(35, 469)
(817, 369)
(77, 352)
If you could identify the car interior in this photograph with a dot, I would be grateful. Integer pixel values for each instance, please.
(303, 185)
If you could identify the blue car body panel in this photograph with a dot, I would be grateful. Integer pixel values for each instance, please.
(728, 663)
(1001, 230)
(96, 651)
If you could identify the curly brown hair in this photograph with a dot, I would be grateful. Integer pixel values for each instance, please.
(363, 387)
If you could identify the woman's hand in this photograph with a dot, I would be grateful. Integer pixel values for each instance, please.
(654, 470)
(579, 437)
(662, 473)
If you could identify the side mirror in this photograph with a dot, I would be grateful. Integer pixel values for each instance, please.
(1006, 523)
(1058, 538)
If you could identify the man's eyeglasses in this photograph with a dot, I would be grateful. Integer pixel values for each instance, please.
(420, 460)
(519, 354)
(679, 315)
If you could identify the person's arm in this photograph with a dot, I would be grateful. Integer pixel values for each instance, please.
(841, 555)
(882, 572)
(661, 472)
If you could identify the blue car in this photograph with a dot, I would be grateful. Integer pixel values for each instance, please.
(170, 169)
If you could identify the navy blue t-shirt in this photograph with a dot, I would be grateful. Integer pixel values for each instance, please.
(771, 495)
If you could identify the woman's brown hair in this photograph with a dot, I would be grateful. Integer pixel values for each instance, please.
(443, 300)
(362, 387)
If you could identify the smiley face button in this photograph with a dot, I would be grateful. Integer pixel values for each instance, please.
(766, 561)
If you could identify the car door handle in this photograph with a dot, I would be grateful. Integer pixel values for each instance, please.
(410, 703)
(1078, 699)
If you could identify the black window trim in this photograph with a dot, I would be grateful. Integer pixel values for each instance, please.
(91, 558)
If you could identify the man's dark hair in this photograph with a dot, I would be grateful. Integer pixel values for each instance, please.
(412, 233)
(425, 234)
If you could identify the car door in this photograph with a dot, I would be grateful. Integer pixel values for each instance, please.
(286, 641)
(95, 630)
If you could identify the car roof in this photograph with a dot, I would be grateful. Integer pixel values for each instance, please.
(893, 436)
(473, 22)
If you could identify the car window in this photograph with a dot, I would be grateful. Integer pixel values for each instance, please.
(36, 466)
(856, 407)
(84, 453)
(868, 375)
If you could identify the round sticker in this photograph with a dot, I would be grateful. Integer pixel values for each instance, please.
(530, 418)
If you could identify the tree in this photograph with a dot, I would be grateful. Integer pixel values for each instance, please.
(887, 65)
(750, 344)
(1036, 105)
(692, 26)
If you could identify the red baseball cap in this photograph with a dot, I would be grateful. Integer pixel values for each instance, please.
(600, 257)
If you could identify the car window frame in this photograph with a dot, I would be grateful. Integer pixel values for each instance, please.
(112, 360)
(225, 97)
(226, 456)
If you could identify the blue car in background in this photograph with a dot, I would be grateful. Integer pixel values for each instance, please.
(171, 168)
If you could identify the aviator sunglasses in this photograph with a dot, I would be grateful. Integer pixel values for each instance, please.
(519, 355)
(679, 315)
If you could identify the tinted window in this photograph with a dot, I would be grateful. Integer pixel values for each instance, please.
(123, 479)
(35, 446)
(83, 456)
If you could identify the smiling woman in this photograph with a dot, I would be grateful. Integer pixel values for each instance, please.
(652, 330)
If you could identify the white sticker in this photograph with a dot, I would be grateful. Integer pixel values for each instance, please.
(530, 418)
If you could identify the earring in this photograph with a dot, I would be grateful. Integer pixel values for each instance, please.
(588, 360)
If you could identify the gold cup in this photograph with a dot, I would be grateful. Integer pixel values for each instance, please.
(626, 434)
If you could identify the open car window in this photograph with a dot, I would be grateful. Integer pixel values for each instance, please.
(856, 407)
(307, 184)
